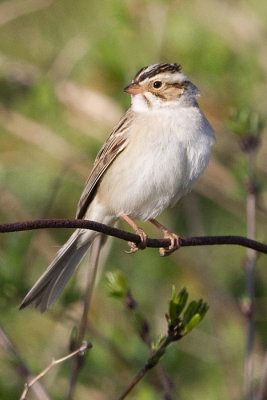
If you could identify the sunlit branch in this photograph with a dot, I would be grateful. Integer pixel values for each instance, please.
(131, 237)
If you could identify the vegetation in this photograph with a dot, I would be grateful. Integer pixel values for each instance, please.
(63, 65)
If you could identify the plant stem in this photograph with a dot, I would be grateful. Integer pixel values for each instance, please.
(150, 363)
(82, 349)
(250, 263)
(78, 360)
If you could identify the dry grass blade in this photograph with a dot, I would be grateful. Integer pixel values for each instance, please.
(39, 135)
(10, 10)
(71, 53)
(18, 72)
(89, 103)
(234, 21)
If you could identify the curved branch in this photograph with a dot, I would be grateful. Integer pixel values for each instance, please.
(131, 237)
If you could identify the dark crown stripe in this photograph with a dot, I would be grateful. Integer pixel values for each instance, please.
(149, 72)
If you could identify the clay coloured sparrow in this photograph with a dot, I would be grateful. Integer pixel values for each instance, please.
(159, 148)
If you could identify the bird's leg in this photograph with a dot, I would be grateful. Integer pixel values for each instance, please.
(175, 240)
(143, 236)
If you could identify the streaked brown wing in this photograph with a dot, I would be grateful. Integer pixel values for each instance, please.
(115, 144)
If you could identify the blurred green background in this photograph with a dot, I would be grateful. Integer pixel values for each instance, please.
(63, 65)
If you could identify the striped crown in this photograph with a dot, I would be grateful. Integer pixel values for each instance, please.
(155, 69)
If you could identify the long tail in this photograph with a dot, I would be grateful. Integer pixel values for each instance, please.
(49, 286)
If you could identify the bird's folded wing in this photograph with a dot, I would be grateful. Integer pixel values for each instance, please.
(115, 144)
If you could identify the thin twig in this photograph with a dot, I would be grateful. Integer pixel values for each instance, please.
(20, 365)
(144, 333)
(181, 320)
(78, 362)
(141, 373)
(115, 232)
(147, 366)
(262, 389)
(85, 346)
(250, 264)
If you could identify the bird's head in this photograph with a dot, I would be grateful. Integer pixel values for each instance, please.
(160, 85)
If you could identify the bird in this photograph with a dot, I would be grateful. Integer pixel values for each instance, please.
(152, 158)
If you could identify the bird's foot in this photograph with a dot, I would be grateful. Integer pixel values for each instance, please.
(175, 243)
(139, 246)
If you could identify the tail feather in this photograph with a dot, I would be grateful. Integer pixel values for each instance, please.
(49, 286)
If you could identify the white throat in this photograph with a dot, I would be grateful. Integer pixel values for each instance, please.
(147, 102)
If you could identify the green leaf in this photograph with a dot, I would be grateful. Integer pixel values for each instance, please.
(177, 303)
(245, 122)
(116, 284)
(194, 321)
(194, 313)
(190, 311)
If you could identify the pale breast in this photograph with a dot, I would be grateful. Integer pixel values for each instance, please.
(161, 162)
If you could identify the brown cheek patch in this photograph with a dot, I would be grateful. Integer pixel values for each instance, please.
(178, 85)
(173, 93)
(160, 95)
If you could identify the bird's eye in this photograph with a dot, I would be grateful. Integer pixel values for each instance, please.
(157, 84)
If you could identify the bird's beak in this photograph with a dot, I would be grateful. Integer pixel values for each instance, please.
(134, 88)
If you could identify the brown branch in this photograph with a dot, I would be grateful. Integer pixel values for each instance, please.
(131, 237)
